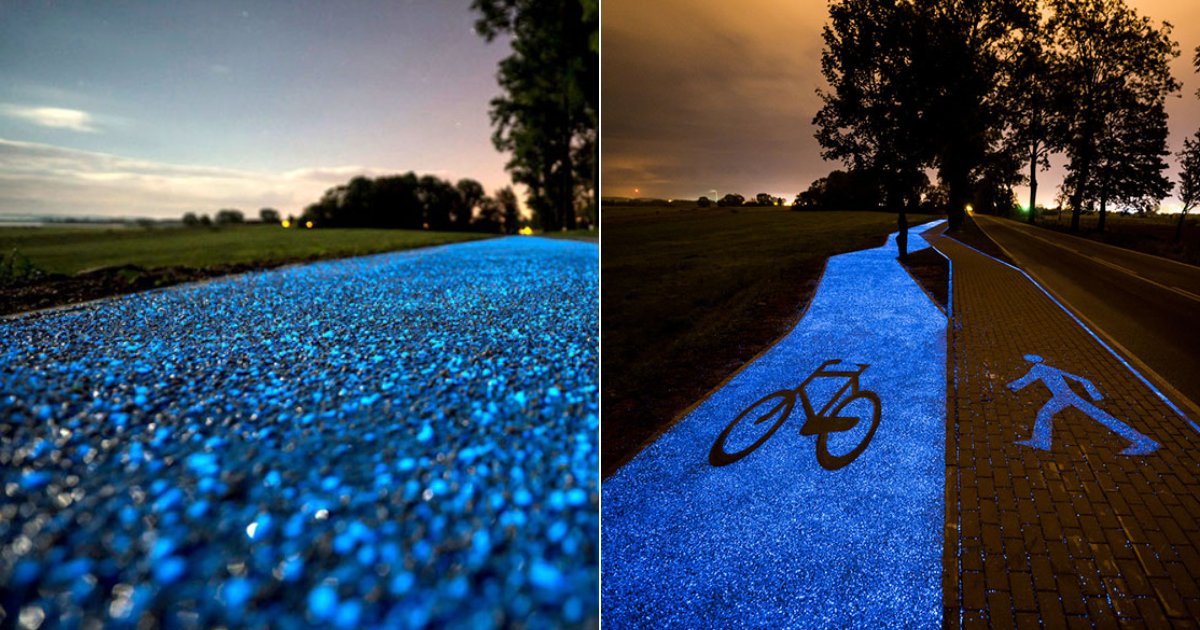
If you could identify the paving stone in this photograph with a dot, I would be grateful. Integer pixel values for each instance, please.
(1101, 535)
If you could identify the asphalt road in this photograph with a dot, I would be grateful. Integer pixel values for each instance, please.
(402, 440)
(1148, 305)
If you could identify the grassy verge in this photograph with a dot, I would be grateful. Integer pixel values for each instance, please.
(689, 295)
(51, 266)
(590, 236)
(1150, 234)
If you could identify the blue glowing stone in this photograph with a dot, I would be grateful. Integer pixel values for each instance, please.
(322, 601)
(546, 576)
(236, 592)
(169, 569)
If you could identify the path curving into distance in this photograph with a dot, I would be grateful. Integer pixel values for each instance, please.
(393, 440)
(775, 539)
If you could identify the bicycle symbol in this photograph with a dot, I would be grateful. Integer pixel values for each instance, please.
(821, 423)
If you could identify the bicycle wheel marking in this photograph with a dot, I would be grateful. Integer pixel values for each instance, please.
(821, 423)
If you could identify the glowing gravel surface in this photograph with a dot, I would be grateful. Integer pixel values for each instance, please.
(393, 440)
(774, 540)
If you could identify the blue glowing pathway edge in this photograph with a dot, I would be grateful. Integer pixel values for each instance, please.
(1098, 339)
(779, 538)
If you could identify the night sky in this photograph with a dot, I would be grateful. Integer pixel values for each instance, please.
(153, 109)
(707, 98)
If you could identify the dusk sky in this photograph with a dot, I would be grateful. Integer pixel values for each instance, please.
(707, 98)
(153, 109)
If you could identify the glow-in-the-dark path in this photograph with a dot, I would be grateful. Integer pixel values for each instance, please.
(776, 538)
(402, 440)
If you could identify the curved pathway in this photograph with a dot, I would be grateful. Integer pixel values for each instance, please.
(776, 539)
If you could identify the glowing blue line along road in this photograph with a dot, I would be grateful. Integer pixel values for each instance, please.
(399, 440)
(777, 537)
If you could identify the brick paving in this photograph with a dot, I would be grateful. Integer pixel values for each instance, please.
(1078, 536)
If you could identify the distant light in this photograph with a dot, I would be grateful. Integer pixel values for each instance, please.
(637, 190)
(525, 231)
(970, 209)
(308, 224)
(286, 223)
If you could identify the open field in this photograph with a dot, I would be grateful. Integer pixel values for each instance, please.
(1150, 234)
(689, 295)
(41, 267)
(69, 250)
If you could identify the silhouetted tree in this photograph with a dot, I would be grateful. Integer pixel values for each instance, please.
(1114, 64)
(510, 208)
(205, 220)
(703, 202)
(871, 118)
(914, 85)
(1131, 161)
(1189, 175)
(1036, 101)
(438, 199)
(190, 219)
(268, 215)
(764, 199)
(229, 216)
(472, 195)
(547, 115)
(841, 190)
(490, 217)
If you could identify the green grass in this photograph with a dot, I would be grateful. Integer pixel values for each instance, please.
(689, 295)
(68, 250)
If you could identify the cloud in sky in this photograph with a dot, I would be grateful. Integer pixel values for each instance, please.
(54, 117)
(46, 179)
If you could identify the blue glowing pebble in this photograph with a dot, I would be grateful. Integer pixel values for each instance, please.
(323, 602)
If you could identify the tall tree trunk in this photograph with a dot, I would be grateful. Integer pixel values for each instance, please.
(1179, 225)
(1103, 210)
(1077, 195)
(1032, 185)
(896, 200)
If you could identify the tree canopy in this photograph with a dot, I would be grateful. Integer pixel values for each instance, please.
(975, 88)
(546, 118)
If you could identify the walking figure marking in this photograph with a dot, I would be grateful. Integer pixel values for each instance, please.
(1062, 396)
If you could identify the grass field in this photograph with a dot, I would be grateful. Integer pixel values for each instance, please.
(68, 250)
(689, 295)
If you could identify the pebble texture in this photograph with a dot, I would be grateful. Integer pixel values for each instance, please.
(398, 440)
(774, 540)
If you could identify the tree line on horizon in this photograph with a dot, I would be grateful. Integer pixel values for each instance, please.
(983, 92)
(412, 202)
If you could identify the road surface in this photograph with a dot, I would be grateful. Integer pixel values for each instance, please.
(398, 440)
(1149, 306)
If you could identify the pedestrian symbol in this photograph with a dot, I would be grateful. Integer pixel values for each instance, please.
(1062, 396)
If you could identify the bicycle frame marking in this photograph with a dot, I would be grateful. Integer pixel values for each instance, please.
(819, 423)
